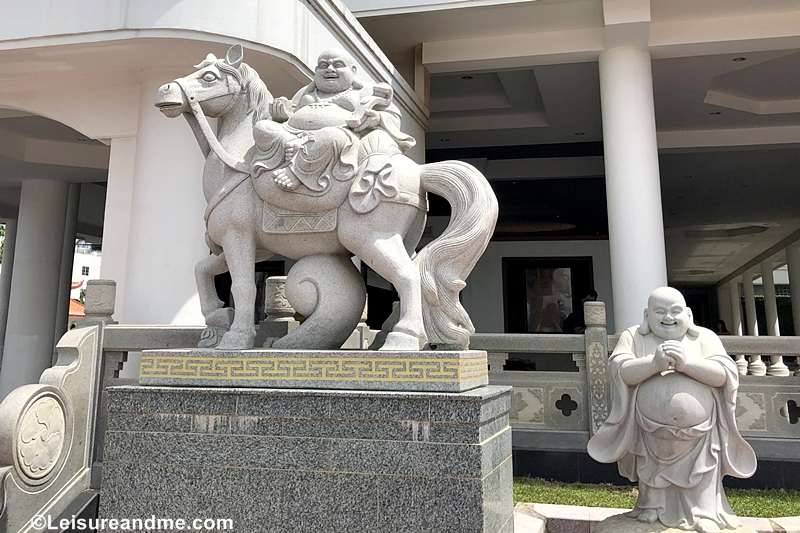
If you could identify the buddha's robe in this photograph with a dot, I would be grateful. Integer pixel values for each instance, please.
(331, 160)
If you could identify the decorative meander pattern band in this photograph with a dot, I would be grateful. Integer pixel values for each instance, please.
(342, 368)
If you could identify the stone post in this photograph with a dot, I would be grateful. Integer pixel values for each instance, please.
(280, 314)
(497, 360)
(99, 308)
(100, 301)
(596, 339)
(276, 305)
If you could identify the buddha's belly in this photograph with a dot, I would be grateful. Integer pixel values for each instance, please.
(319, 115)
(675, 399)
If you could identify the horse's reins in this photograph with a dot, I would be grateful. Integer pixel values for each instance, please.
(239, 166)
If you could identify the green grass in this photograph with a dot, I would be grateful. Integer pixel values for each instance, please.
(770, 503)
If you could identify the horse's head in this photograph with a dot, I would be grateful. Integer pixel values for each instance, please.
(215, 87)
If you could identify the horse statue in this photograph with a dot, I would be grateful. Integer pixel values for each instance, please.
(318, 180)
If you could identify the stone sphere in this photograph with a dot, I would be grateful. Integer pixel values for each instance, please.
(674, 399)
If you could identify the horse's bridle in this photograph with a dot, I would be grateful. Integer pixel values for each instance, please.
(205, 127)
(240, 167)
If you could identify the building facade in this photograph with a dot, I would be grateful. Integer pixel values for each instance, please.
(631, 143)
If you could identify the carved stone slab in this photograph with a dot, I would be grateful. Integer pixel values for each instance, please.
(47, 434)
(434, 371)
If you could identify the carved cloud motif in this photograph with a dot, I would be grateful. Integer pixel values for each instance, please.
(41, 437)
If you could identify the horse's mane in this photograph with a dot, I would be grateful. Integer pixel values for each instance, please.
(258, 95)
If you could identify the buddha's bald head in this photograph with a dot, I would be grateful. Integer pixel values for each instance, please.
(335, 71)
(667, 316)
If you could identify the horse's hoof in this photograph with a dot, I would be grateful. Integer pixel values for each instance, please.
(210, 337)
(236, 341)
(397, 341)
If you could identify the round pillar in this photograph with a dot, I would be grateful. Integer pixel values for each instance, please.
(633, 187)
(158, 232)
(9, 242)
(67, 260)
(770, 303)
(164, 243)
(777, 367)
(749, 303)
(34, 286)
(736, 308)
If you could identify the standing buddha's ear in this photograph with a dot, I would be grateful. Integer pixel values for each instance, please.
(693, 331)
(234, 56)
(644, 329)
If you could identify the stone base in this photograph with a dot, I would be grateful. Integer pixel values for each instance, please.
(429, 371)
(623, 524)
(310, 461)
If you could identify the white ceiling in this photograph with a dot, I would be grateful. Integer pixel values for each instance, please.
(727, 122)
(724, 203)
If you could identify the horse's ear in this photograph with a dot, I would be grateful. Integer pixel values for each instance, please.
(234, 56)
(209, 60)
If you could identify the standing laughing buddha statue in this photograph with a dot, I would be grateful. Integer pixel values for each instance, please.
(672, 425)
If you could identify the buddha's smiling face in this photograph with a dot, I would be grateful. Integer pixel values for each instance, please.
(667, 314)
(335, 72)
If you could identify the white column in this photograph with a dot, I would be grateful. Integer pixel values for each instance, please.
(67, 259)
(34, 286)
(770, 303)
(756, 366)
(777, 366)
(9, 242)
(152, 242)
(116, 224)
(736, 308)
(724, 305)
(633, 189)
(793, 264)
(749, 303)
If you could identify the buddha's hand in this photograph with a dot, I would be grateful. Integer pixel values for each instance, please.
(370, 121)
(661, 359)
(281, 109)
(674, 350)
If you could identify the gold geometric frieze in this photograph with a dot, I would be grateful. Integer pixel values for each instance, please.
(264, 366)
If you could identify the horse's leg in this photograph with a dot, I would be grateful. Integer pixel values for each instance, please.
(387, 256)
(218, 318)
(240, 255)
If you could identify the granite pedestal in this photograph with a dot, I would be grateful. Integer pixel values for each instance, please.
(310, 461)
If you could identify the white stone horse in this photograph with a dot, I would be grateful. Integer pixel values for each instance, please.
(324, 285)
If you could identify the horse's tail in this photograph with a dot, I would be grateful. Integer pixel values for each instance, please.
(446, 262)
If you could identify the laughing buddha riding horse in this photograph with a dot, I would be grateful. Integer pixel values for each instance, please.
(320, 178)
